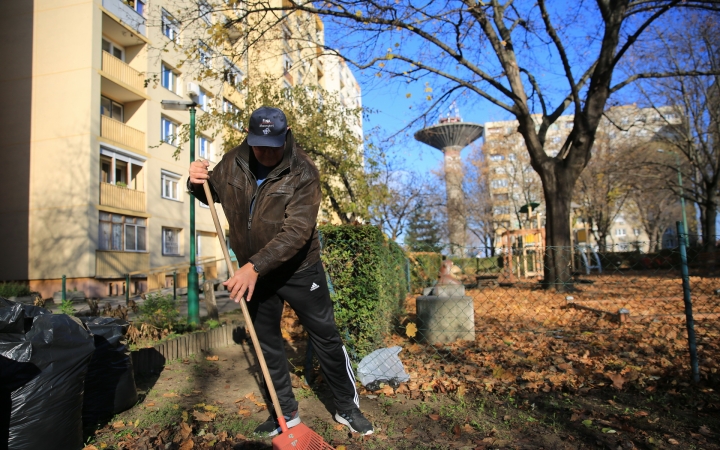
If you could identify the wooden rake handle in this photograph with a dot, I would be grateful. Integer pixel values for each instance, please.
(246, 314)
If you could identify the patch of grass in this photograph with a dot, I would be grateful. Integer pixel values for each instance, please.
(301, 393)
(323, 428)
(164, 417)
(12, 289)
(422, 409)
(234, 424)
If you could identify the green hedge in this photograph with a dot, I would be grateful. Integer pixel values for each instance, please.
(425, 268)
(368, 276)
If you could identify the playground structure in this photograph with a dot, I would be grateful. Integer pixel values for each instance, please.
(523, 253)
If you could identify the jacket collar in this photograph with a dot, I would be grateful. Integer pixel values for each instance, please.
(289, 157)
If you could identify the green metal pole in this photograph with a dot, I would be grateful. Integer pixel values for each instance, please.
(62, 295)
(687, 300)
(193, 298)
(682, 202)
(174, 285)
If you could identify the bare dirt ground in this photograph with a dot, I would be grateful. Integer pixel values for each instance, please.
(540, 375)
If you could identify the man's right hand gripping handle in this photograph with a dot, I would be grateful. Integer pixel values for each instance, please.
(199, 171)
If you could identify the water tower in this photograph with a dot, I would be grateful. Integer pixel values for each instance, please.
(450, 136)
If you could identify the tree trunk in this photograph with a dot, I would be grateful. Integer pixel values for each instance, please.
(709, 227)
(558, 184)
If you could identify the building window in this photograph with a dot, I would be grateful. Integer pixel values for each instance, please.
(620, 232)
(170, 26)
(205, 11)
(121, 169)
(204, 54)
(111, 109)
(231, 74)
(287, 63)
(204, 148)
(171, 241)
(499, 183)
(230, 109)
(637, 231)
(169, 79)
(496, 157)
(137, 5)
(113, 49)
(122, 233)
(170, 182)
(168, 131)
(203, 99)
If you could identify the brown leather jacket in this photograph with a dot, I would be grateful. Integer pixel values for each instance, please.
(280, 234)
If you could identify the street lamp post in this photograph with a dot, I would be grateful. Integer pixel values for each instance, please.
(682, 197)
(193, 288)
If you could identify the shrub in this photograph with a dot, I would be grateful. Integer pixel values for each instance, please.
(160, 311)
(367, 272)
(66, 307)
(13, 289)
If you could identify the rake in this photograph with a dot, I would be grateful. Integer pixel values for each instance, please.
(301, 437)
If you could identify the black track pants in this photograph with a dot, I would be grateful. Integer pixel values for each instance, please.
(307, 294)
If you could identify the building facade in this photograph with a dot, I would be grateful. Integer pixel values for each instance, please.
(97, 188)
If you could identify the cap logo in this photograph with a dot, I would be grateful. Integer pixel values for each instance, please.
(266, 131)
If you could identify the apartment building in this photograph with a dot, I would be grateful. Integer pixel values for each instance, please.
(516, 190)
(97, 188)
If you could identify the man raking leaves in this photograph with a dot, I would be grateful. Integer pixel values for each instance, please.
(270, 192)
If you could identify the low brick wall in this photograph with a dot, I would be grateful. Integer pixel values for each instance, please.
(152, 359)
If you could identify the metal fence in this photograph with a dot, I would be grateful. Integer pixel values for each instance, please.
(489, 323)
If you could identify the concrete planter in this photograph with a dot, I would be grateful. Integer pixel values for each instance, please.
(445, 319)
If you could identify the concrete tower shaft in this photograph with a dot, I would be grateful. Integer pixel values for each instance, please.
(451, 136)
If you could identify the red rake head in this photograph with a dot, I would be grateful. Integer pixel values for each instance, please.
(300, 437)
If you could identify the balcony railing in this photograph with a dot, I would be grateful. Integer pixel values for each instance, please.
(115, 264)
(119, 70)
(122, 134)
(126, 14)
(122, 197)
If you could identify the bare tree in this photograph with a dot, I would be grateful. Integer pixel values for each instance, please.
(656, 209)
(396, 194)
(479, 218)
(603, 187)
(691, 148)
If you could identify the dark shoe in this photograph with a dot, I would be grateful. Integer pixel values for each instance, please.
(354, 420)
(271, 427)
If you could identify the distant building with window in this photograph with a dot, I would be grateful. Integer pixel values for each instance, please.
(96, 188)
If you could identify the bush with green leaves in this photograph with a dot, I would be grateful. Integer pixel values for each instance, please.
(13, 289)
(161, 311)
(367, 272)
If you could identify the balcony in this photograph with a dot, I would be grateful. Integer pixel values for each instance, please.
(122, 72)
(126, 15)
(119, 133)
(115, 264)
(122, 197)
(120, 81)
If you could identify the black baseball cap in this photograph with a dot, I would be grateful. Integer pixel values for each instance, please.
(268, 127)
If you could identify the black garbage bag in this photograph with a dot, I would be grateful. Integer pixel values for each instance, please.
(45, 358)
(109, 382)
